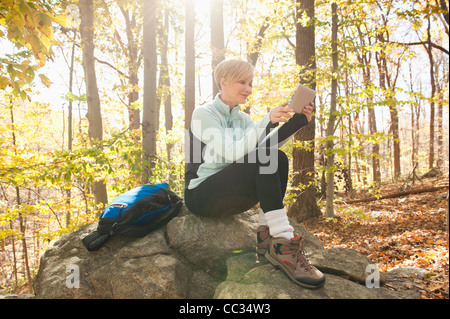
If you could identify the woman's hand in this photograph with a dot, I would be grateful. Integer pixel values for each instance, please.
(282, 113)
(307, 110)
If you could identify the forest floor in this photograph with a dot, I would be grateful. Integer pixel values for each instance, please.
(406, 231)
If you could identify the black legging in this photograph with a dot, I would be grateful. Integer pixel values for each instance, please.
(240, 186)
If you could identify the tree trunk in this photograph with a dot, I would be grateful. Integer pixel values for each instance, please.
(164, 78)
(332, 118)
(397, 194)
(69, 122)
(348, 92)
(150, 114)
(22, 229)
(429, 50)
(20, 216)
(305, 206)
(364, 59)
(133, 68)
(360, 147)
(70, 110)
(413, 120)
(13, 244)
(376, 173)
(440, 128)
(395, 139)
(189, 96)
(388, 79)
(94, 116)
(254, 50)
(217, 37)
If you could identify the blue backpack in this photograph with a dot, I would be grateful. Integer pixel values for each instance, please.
(134, 214)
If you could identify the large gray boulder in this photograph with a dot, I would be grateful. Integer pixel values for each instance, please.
(194, 257)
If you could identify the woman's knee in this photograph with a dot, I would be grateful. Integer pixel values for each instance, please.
(283, 169)
(282, 156)
(272, 162)
(283, 161)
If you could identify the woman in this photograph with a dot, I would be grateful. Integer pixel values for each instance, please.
(234, 163)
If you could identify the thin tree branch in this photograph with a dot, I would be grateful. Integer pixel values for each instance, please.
(45, 202)
(419, 43)
(112, 66)
(108, 64)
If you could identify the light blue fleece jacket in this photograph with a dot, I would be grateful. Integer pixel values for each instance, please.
(227, 135)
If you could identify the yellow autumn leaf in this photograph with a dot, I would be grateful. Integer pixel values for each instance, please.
(41, 58)
(46, 42)
(3, 82)
(44, 24)
(18, 21)
(64, 21)
(45, 80)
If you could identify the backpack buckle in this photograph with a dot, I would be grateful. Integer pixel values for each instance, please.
(112, 228)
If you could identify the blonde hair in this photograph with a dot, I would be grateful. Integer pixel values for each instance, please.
(232, 70)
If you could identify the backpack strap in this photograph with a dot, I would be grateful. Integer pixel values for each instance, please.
(94, 241)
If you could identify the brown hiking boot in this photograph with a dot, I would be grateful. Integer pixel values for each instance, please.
(263, 239)
(289, 256)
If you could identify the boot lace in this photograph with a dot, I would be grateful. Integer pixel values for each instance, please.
(299, 253)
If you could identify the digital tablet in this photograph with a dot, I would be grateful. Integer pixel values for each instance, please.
(302, 96)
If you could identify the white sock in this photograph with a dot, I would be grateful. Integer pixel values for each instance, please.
(262, 219)
(279, 225)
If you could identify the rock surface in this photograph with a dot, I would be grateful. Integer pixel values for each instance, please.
(194, 257)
